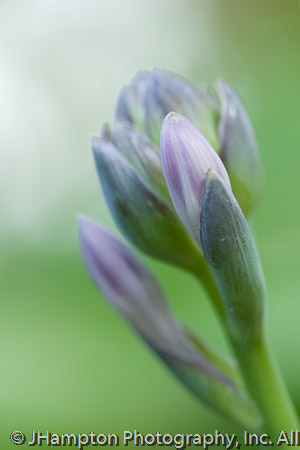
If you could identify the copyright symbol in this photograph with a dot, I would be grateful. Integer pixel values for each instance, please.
(17, 437)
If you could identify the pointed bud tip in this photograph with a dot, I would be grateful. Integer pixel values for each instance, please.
(103, 138)
(87, 228)
(83, 221)
(186, 157)
(106, 130)
(212, 175)
(94, 140)
(212, 181)
(173, 117)
(105, 153)
(97, 140)
(80, 219)
(98, 144)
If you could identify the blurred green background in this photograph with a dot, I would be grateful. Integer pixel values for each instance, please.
(69, 363)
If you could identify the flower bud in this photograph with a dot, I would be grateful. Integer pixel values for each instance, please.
(133, 291)
(144, 156)
(231, 253)
(127, 284)
(238, 148)
(138, 208)
(152, 95)
(186, 157)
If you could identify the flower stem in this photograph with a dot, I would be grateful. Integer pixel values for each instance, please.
(202, 271)
(266, 386)
(258, 368)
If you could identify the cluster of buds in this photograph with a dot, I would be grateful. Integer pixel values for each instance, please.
(180, 169)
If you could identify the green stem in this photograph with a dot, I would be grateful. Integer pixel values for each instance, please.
(266, 385)
(258, 367)
(201, 270)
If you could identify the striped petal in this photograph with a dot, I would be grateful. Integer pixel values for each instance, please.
(143, 154)
(186, 157)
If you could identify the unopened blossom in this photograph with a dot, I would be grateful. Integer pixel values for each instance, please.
(186, 157)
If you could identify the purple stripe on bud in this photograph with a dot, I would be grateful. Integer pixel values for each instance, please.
(144, 156)
(126, 283)
(186, 158)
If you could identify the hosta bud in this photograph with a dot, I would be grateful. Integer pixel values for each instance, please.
(126, 283)
(152, 95)
(186, 157)
(144, 156)
(141, 213)
(133, 291)
(238, 148)
(231, 253)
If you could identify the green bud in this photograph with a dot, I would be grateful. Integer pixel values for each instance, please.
(231, 253)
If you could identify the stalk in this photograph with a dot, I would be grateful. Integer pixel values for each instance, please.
(258, 368)
(200, 269)
(266, 386)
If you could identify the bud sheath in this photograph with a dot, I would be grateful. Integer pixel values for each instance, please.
(231, 253)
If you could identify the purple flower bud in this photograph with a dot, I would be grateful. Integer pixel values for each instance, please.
(142, 214)
(127, 284)
(134, 293)
(186, 157)
(152, 95)
(238, 148)
(144, 156)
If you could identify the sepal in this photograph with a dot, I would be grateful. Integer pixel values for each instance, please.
(230, 251)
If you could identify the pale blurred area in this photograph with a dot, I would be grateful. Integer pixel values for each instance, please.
(62, 66)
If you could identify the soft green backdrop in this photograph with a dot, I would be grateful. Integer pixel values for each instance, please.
(69, 363)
